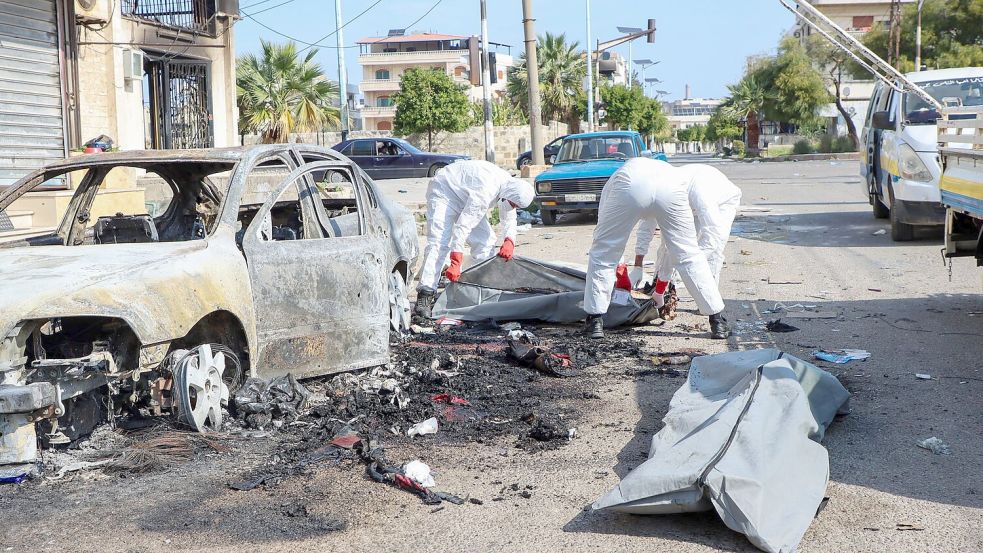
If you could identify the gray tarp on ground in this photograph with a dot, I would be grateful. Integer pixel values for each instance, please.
(525, 289)
(742, 437)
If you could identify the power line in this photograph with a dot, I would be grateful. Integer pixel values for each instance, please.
(273, 7)
(254, 4)
(325, 37)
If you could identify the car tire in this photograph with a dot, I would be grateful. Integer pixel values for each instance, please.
(434, 168)
(900, 232)
(548, 216)
(880, 210)
(524, 161)
(399, 303)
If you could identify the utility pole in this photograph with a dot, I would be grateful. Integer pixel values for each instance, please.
(590, 77)
(918, 38)
(532, 71)
(486, 86)
(342, 73)
(629, 30)
(894, 33)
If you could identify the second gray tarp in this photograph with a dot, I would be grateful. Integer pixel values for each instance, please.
(525, 289)
(741, 437)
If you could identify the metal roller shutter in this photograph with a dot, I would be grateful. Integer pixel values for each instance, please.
(32, 131)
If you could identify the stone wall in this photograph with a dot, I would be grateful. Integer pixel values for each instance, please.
(509, 141)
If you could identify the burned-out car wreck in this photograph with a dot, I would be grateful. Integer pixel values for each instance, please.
(255, 261)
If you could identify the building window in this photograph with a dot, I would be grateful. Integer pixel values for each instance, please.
(864, 22)
(177, 97)
(384, 101)
(384, 126)
(459, 71)
(192, 15)
(382, 75)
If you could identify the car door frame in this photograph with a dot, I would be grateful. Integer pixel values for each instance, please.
(367, 163)
(324, 284)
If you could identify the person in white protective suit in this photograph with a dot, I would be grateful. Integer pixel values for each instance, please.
(715, 201)
(458, 200)
(652, 190)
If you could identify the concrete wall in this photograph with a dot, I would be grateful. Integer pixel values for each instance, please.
(509, 141)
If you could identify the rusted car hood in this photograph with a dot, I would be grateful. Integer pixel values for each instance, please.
(160, 289)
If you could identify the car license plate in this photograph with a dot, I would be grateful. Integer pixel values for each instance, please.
(574, 198)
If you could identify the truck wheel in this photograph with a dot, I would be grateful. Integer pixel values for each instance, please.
(434, 168)
(549, 217)
(880, 210)
(900, 232)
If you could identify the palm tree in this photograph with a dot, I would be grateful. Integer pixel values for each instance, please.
(278, 93)
(747, 101)
(562, 68)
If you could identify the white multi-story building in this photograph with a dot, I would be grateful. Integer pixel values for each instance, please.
(683, 114)
(385, 59)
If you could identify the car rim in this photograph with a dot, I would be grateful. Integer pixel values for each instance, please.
(399, 304)
(199, 388)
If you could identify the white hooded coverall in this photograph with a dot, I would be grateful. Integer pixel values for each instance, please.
(458, 200)
(714, 201)
(655, 191)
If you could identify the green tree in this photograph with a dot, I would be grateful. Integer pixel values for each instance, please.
(504, 114)
(952, 35)
(722, 127)
(798, 87)
(278, 93)
(562, 69)
(746, 102)
(429, 101)
(653, 123)
(835, 65)
(625, 106)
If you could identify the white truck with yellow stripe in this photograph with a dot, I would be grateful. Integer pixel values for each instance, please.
(961, 185)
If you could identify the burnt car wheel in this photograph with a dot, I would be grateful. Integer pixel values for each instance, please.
(548, 216)
(399, 303)
(524, 161)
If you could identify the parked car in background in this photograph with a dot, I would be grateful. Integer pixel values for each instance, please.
(582, 166)
(393, 158)
(549, 153)
(257, 261)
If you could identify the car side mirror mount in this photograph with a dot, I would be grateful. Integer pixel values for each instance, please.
(882, 120)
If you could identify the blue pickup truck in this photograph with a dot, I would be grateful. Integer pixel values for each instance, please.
(583, 164)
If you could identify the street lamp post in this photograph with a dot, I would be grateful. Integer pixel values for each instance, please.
(645, 64)
(342, 72)
(590, 77)
(486, 87)
(629, 30)
(918, 38)
(532, 75)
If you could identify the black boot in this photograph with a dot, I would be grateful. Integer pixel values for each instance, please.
(594, 327)
(719, 329)
(424, 303)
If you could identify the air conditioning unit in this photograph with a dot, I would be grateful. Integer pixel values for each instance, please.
(93, 12)
(132, 64)
(227, 8)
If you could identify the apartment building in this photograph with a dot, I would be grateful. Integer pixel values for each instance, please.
(385, 59)
(146, 73)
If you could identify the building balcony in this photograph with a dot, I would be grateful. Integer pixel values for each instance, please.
(379, 111)
(379, 85)
(429, 56)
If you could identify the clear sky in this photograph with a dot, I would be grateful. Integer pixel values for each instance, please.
(700, 42)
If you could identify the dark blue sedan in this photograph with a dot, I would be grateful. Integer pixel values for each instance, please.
(393, 158)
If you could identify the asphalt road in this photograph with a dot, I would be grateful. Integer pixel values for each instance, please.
(806, 235)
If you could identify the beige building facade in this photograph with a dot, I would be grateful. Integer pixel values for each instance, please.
(149, 74)
(384, 60)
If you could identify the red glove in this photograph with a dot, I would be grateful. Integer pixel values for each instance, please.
(454, 271)
(507, 250)
(621, 278)
(658, 294)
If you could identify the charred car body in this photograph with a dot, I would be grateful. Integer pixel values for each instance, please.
(245, 261)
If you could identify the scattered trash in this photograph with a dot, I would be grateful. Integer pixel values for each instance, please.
(526, 348)
(548, 430)
(901, 527)
(447, 398)
(811, 314)
(447, 321)
(778, 326)
(671, 359)
(417, 329)
(346, 438)
(380, 471)
(428, 426)
(841, 356)
(523, 228)
(879, 232)
(508, 327)
(934, 445)
(78, 466)
(15, 474)
(874, 290)
(259, 402)
(419, 472)
(922, 376)
(782, 282)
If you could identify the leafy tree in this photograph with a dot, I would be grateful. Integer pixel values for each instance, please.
(278, 93)
(653, 123)
(722, 127)
(835, 65)
(747, 102)
(798, 88)
(504, 114)
(430, 101)
(952, 35)
(562, 69)
(625, 106)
